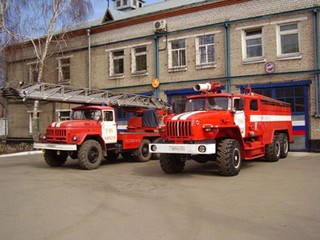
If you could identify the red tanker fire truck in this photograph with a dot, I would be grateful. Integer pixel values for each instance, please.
(226, 128)
(93, 132)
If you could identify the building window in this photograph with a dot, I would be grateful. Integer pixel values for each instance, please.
(125, 2)
(252, 44)
(118, 3)
(294, 96)
(205, 50)
(117, 63)
(139, 60)
(63, 115)
(64, 75)
(288, 39)
(177, 54)
(33, 72)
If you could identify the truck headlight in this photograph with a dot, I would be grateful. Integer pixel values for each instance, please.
(75, 138)
(153, 148)
(202, 149)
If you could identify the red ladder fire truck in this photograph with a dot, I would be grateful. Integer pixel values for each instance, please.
(93, 132)
(226, 128)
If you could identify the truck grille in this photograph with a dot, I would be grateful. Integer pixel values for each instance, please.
(179, 129)
(56, 134)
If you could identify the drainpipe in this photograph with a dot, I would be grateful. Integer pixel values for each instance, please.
(316, 57)
(89, 59)
(156, 61)
(227, 46)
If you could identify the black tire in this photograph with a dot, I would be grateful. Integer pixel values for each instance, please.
(142, 154)
(284, 145)
(171, 163)
(53, 159)
(229, 157)
(112, 156)
(273, 150)
(90, 155)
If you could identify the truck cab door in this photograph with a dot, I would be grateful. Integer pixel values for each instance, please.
(109, 127)
(239, 116)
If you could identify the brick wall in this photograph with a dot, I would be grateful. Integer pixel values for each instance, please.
(103, 43)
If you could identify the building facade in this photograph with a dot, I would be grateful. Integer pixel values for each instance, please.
(271, 45)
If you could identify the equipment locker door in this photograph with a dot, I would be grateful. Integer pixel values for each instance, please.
(109, 127)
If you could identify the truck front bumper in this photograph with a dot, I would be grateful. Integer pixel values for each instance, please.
(193, 149)
(55, 146)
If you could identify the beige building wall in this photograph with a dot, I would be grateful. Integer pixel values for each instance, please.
(187, 25)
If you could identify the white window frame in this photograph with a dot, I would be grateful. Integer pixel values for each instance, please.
(170, 55)
(134, 54)
(60, 72)
(244, 37)
(58, 115)
(31, 72)
(287, 32)
(198, 52)
(112, 74)
(135, 3)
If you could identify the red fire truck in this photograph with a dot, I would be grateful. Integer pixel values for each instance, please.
(93, 131)
(226, 128)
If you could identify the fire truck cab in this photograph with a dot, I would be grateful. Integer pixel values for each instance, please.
(226, 128)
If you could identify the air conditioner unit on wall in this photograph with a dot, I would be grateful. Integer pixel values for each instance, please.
(160, 26)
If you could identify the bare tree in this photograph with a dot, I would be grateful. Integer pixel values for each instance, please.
(39, 22)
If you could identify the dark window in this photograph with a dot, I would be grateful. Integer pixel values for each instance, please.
(118, 62)
(254, 105)
(294, 96)
(253, 43)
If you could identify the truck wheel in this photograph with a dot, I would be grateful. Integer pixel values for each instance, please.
(273, 150)
(90, 155)
(54, 160)
(171, 163)
(284, 145)
(229, 157)
(142, 154)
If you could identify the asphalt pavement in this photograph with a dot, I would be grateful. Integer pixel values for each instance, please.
(129, 200)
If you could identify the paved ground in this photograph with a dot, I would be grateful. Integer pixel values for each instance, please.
(138, 201)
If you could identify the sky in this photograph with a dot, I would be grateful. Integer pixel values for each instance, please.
(100, 7)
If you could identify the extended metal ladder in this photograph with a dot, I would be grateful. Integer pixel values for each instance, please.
(69, 94)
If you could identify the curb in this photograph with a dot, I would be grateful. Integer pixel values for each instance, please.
(20, 154)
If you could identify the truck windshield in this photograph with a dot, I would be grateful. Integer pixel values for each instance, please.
(91, 114)
(211, 103)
